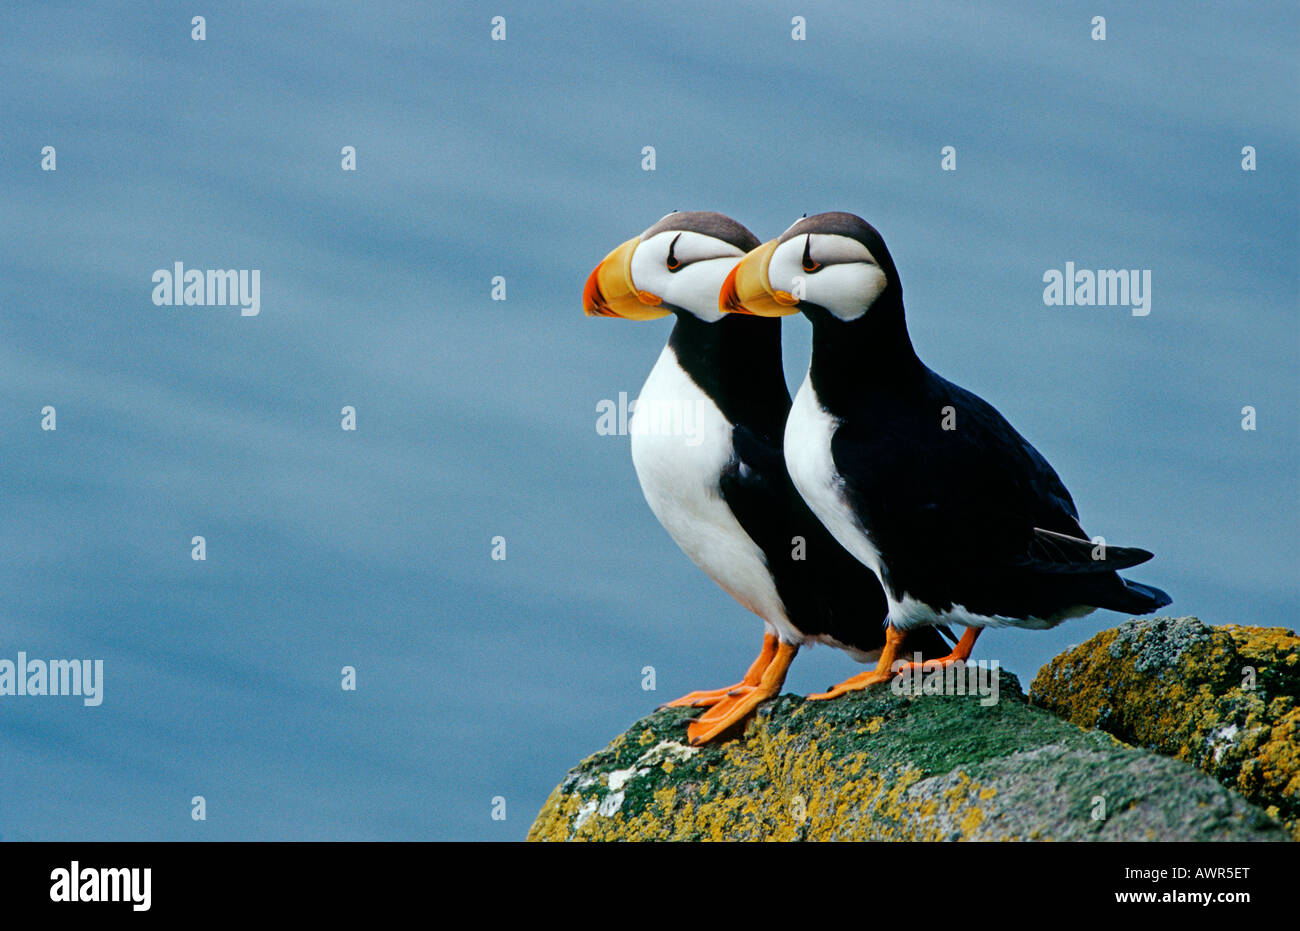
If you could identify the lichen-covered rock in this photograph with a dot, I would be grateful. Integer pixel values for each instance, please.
(877, 765)
(1224, 699)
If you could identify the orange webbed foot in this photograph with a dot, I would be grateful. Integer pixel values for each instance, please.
(882, 673)
(890, 665)
(741, 703)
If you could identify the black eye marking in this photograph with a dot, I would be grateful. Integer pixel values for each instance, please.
(673, 263)
(809, 265)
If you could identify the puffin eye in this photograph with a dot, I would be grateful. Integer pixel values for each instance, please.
(673, 263)
(809, 263)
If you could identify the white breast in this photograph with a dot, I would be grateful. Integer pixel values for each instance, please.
(680, 444)
(808, 433)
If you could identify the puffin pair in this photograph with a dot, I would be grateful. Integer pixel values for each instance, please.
(884, 504)
(723, 492)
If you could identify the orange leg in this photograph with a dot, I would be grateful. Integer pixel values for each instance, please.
(707, 697)
(960, 653)
(743, 700)
(882, 673)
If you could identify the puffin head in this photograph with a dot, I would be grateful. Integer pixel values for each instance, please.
(676, 266)
(834, 263)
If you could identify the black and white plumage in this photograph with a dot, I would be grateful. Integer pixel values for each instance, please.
(927, 484)
(724, 493)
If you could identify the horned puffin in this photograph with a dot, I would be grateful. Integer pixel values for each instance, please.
(722, 492)
(962, 520)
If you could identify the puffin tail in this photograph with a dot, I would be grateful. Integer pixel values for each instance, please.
(1136, 598)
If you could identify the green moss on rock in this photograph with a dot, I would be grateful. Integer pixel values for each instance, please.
(1223, 699)
(876, 765)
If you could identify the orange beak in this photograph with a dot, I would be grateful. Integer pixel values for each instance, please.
(610, 291)
(593, 302)
(747, 289)
(728, 300)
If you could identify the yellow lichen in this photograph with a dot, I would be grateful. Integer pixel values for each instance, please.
(972, 820)
(1205, 707)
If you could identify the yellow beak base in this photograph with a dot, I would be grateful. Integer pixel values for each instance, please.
(609, 291)
(747, 291)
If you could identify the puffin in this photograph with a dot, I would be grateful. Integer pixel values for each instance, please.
(958, 516)
(721, 488)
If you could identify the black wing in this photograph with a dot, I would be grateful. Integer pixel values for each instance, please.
(965, 511)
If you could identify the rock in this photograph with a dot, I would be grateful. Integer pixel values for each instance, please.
(1223, 699)
(880, 765)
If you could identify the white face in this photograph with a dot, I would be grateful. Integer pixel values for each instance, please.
(835, 272)
(686, 270)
